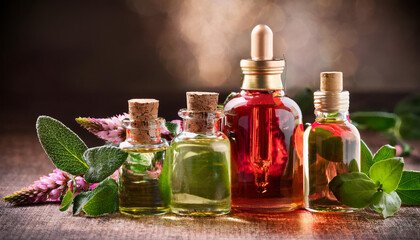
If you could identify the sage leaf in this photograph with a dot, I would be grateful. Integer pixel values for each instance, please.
(173, 127)
(102, 162)
(80, 200)
(386, 203)
(63, 146)
(384, 152)
(376, 121)
(387, 173)
(68, 198)
(409, 188)
(366, 157)
(104, 199)
(354, 189)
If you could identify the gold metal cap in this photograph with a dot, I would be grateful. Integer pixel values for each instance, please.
(262, 71)
(331, 98)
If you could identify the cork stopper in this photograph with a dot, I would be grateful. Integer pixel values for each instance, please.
(332, 81)
(142, 112)
(331, 98)
(143, 109)
(202, 101)
(205, 102)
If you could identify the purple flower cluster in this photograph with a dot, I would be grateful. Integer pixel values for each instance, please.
(109, 129)
(46, 189)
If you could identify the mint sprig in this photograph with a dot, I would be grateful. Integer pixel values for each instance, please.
(382, 185)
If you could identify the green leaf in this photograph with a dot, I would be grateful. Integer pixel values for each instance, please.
(410, 180)
(68, 198)
(410, 197)
(376, 121)
(366, 157)
(386, 203)
(408, 127)
(409, 188)
(305, 98)
(353, 166)
(103, 161)
(325, 144)
(385, 152)
(410, 104)
(173, 127)
(230, 96)
(164, 187)
(80, 200)
(63, 146)
(354, 189)
(387, 173)
(104, 199)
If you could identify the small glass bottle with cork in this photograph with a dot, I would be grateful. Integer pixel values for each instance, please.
(139, 191)
(199, 160)
(331, 145)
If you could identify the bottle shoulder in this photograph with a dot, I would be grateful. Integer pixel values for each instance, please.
(332, 129)
(259, 98)
(185, 136)
(139, 147)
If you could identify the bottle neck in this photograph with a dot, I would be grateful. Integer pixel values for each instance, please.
(201, 121)
(341, 116)
(279, 92)
(143, 132)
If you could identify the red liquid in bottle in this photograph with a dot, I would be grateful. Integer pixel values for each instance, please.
(266, 134)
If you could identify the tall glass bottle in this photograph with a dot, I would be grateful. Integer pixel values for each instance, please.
(331, 145)
(139, 191)
(265, 130)
(199, 161)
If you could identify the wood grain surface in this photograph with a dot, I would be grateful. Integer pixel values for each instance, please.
(23, 161)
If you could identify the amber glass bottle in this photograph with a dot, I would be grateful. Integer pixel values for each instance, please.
(265, 130)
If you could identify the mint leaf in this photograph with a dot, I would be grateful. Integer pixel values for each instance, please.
(376, 121)
(325, 144)
(410, 104)
(103, 161)
(387, 173)
(354, 189)
(68, 198)
(409, 188)
(80, 200)
(366, 157)
(63, 146)
(408, 127)
(410, 180)
(410, 197)
(353, 166)
(386, 203)
(385, 152)
(103, 199)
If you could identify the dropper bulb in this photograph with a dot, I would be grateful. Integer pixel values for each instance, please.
(261, 43)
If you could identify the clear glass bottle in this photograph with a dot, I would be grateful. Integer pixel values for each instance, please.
(331, 146)
(199, 167)
(266, 134)
(139, 191)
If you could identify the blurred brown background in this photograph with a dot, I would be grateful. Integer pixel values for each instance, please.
(87, 58)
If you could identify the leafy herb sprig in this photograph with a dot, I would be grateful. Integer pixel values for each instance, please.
(382, 184)
(71, 155)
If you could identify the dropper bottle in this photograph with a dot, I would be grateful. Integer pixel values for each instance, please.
(331, 145)
(265, 129)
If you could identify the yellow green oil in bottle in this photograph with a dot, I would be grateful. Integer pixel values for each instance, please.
(198, 161)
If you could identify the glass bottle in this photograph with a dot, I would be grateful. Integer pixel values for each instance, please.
(139, 191)
(331, 145)
(199, 166)
(266, 134)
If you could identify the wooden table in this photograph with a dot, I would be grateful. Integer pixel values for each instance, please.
(23, 161)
